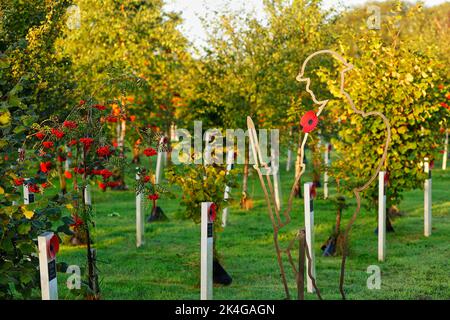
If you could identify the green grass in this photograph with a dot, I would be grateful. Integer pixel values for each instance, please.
(168, 265)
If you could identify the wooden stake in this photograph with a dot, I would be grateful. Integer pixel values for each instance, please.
(140, 223)
(206, 259)
(47, 267)
(444, 159)
(325, 174)
(381, 216)
(427, 200)
(309, 233)
(301, 266)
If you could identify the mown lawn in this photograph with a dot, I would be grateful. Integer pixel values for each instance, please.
(167, 266)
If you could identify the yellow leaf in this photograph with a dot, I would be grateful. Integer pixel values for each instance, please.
(28, 214)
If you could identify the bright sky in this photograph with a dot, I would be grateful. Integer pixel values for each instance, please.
(193, 9)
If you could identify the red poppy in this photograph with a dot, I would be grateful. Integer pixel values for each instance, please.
(87, 142)
(82, 102)
(103, 151)
(212, 212)
(448, 96)
(48, 144)
(102, 185)
(19, 181)
(70, 124)
(33, 188)
(113, 184)
(45, 166)
(111, 119)
(57, 133)
(45, 185)
(73, 142)
(441, 87)
(309, 121)
(68, 174)
(132, 118)
(150, 152)
(313, 191)
(77, 221)
(40, 135)
(105, 173)
(115, 144)
(78, 170)
(69, 154)
(443, 104)
(153, 197)
(99, 107)
(61, 158)
(147, 179)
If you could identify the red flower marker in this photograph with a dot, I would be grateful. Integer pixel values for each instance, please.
(213, 212)
(33, 188)
(48, 144)
(105, 173)
(313, 191)
(53, 247)
(18, 182)
(70, 124)
(68, 174)
(40, 135)
(309, 121)
(104, 151)
(111, 119)
(99, 107)
(150, 152)
(102, 186)
(153, 197)
(57, 133)
(87, 142)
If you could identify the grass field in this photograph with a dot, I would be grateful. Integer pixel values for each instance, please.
(168, 265)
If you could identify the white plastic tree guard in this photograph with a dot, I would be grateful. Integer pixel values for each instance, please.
(87, 195)
(226, 196)
(309, 232)
(381, 216)
(48, 247)
(160, 160)
(28, 196)
(140, 223)
(427, 200)
(275, 166)
(206, 257)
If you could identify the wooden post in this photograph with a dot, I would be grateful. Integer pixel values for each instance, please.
(381, 216)
(87, 195)
(427, 200)
(28, 197)
(206, 267)
(230, 160)
(309, 233)
(139, 216)
(301, 266)
(445, 155)
(48, 245)
(325, 173)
